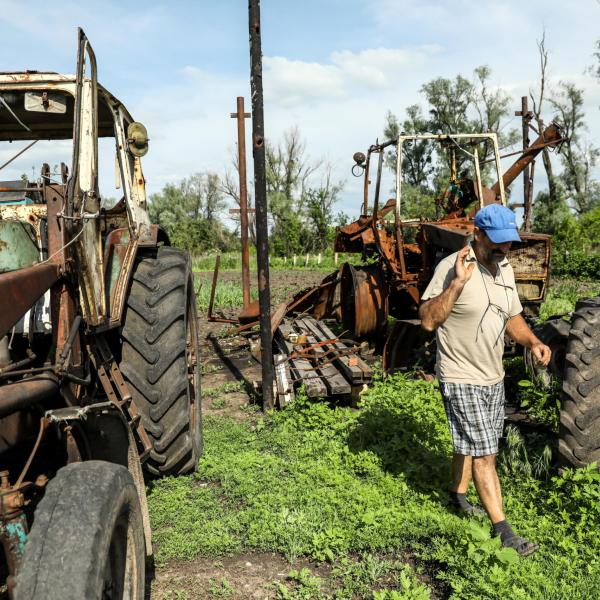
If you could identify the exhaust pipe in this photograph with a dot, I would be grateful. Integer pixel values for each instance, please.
(20, 395)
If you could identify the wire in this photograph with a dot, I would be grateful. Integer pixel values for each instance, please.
(10, 110)
(505, 314)
(85, 217)
(18, 153)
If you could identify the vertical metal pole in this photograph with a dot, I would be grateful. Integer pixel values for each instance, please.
(240, 115)
(260, 191)
(213, 288)
(525, 118)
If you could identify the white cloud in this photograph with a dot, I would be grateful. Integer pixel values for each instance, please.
(294, 82)
(291, 82)
(379, 66)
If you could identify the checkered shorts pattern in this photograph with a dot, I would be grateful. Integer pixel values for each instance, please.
(475, 416)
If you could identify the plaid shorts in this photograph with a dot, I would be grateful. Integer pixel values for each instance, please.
(475, 415)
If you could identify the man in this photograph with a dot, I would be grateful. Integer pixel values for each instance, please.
(470, 302)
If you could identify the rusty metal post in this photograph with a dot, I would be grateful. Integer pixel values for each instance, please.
(525, 118)
(213, 288)
(240, 115)
(260, 191)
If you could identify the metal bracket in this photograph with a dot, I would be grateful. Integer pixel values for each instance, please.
(117, 391)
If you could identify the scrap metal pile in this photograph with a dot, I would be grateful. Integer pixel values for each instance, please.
(376, 301)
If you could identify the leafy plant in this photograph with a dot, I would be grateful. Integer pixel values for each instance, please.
(357, 489)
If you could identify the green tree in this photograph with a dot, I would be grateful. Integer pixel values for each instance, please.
(550, 211)
(578, 155)
(417, 166)
(454, 106)
(319, 203)
(190, 213)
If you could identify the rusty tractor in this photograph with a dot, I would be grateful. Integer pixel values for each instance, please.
(400, 254)
(99, 378)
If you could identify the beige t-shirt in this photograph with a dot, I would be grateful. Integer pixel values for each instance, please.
(470, 343)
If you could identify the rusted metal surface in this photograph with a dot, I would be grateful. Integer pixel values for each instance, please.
(24, 393)
(364, 300)
(551, 136)
(19, 290)
(13, 527)
(117, 391)
(118, 291)
(240, 115)
(404, 253)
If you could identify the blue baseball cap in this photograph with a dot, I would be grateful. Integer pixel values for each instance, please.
(498, 222)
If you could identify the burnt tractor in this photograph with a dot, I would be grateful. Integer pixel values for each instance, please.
(99, 374)
(379, 299)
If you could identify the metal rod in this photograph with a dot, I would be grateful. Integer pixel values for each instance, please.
(18, 154)
(529, 199)
(366, 184)
(241, 117)
(478, 177)
(500, 182)
(398, 211)
(214, 286)
(533, 148)
(23, 189)
(260, 190)
(526, 179)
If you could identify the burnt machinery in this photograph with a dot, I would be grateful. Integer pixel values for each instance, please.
(378, 298)
(98, 346)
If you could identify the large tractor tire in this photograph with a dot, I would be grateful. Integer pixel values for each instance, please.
(579, 442)
(160, 360)
(87, 539)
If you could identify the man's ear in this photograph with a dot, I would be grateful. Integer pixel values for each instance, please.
(477, 233)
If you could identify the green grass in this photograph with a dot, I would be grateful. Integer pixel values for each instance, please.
(231, 261)
(228, 294)
(561, 298)
(362, 489)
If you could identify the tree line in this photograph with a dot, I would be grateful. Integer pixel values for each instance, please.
(302, 192)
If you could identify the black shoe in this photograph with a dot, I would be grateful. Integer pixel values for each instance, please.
(521, 545)
(469, 511)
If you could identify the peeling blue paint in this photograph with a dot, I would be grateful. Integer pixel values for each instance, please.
(17, 534)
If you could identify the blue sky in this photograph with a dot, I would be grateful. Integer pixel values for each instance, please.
(332, 68)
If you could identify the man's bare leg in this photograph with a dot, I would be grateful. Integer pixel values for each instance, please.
(487, 485)
(461, 473)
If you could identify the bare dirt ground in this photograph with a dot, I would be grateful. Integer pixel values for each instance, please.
(244, 576)
(228, 370)
(226, 360)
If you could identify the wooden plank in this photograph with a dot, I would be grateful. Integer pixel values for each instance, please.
(334, 380)
(355, 363)
(283, 378)
(301, 369)
(352, 367)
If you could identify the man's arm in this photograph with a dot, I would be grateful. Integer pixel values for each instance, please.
(435, 311)
(519, 331)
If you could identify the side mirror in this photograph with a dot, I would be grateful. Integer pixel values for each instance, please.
(137, 139)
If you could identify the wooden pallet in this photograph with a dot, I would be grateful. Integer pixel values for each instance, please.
(316, 358)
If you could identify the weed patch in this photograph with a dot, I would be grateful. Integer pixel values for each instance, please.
(228, 294)
(330, 483)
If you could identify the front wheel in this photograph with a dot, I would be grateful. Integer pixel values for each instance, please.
(87, 539)
(160, 360)
(579, 442)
